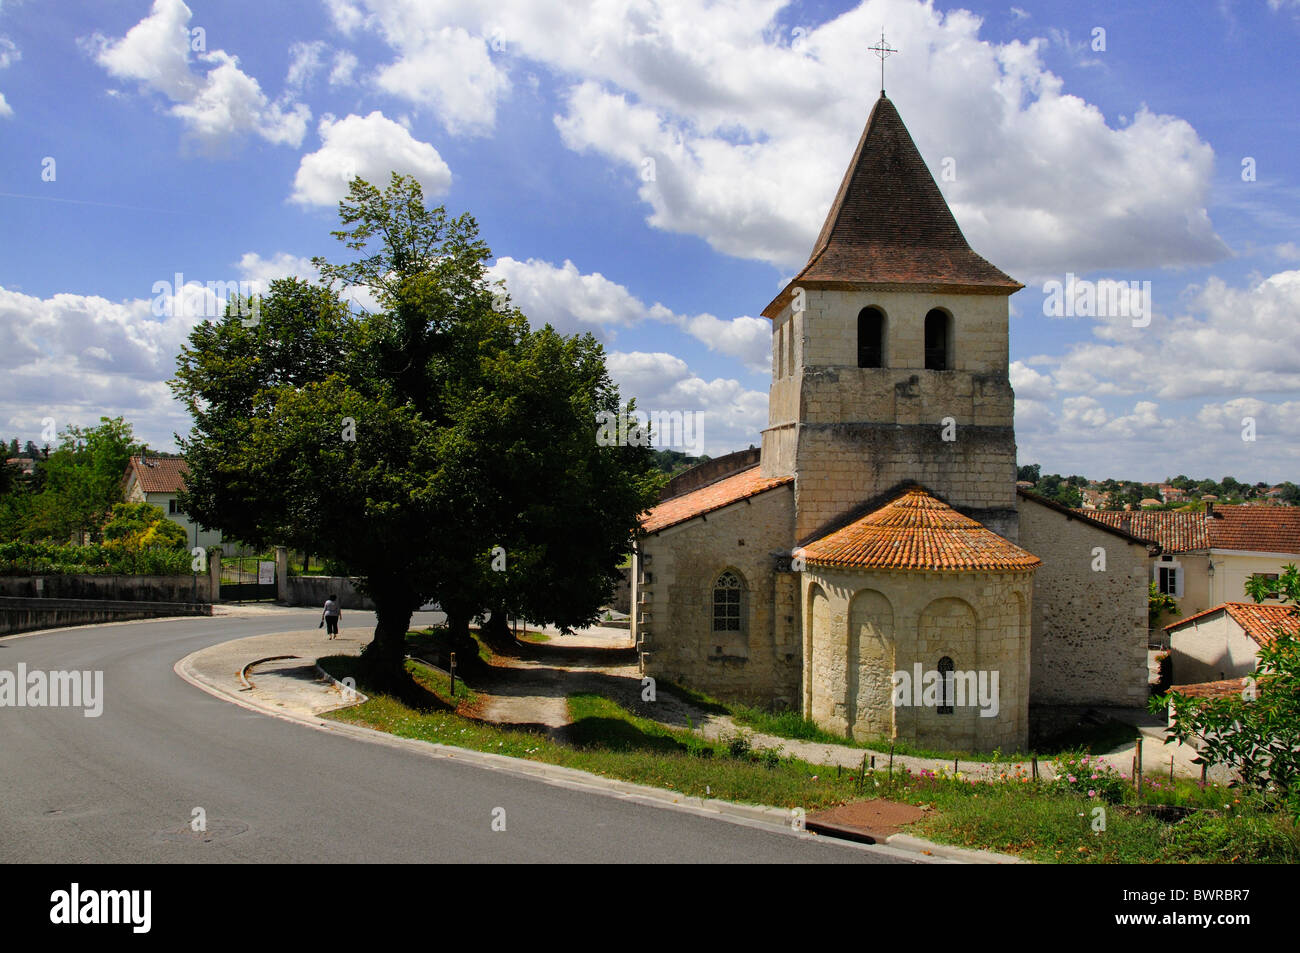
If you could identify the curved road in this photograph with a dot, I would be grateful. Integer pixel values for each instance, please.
(121, 787)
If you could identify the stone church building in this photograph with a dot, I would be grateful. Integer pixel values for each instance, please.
(873, 565)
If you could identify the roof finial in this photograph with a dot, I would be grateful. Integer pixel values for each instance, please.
(882, 49)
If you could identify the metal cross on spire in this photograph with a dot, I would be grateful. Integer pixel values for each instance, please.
(882, 49)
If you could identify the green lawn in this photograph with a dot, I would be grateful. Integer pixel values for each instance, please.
(1035, 820)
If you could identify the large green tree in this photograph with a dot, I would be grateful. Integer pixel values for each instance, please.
(76, 487)
(434, 446)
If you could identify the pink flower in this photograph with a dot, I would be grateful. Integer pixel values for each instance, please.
(1073, 779)
(1092, 794)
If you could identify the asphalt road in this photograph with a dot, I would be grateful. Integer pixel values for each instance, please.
(122, 787)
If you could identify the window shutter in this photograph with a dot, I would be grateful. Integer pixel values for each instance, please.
(1178, 582)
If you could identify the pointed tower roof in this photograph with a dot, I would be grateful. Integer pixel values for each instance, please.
(917, 532)
(889, 224)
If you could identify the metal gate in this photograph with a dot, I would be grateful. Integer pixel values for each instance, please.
(247, 579)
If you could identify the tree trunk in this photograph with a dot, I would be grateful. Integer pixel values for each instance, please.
(459, 640)
(383, 661)
(497, 634)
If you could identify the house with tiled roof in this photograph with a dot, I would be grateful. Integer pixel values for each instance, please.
(1224, 642)
(159, 481)
(1207, 557)
(877, 538)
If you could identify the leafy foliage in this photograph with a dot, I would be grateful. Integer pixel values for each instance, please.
(1257, 733)
(137, 526)
(1158, 603)
(437, 448)
(30, 559)
(73, 490)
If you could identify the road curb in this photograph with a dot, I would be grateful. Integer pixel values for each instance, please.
(748, 815)
(243, 672)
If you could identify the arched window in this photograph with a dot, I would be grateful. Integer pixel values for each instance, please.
(728, 607)
(936, 340)
(947, 690)
(871, 338)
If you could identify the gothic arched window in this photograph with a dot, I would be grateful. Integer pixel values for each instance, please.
(946, 689)
(871, 338)
(728, 603)
(938, 326)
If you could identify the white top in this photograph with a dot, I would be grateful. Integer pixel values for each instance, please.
(331, 607)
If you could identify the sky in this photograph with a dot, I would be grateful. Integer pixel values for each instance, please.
(654, 172)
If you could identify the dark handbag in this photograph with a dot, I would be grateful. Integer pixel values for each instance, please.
(322, 623)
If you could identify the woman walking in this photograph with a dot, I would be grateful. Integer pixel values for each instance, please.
(331, 616)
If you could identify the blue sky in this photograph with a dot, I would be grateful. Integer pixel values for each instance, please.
(214, 140)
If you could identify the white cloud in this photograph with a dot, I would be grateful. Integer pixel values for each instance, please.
(1232, 341)
(215, 104)
(345, 14)
(749, 135)
(1191, 379)
(745, 338)
(571, 301)
(1029, 384)
(1289, 251)
(369, 147)
(451, 71)
(566, 299)
(74, 357)
(304, 61)
(731, 414)
(345, 64)
(260, 272)
(8, 54)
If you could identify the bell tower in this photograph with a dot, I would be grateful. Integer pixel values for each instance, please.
(890, 351)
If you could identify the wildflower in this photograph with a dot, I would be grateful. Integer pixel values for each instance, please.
(1092, 793)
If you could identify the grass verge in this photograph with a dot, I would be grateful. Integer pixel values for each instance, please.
(1035, 820)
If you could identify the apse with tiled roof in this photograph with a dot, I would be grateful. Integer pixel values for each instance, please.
(890, 350)
(918, 588)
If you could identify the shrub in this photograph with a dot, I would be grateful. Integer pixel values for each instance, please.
(1090, 776)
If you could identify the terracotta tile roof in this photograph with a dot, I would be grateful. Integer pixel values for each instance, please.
(159, 474)
(917, 532)
(1176, 532)
(1226, 688)
(1088, 516)
(706, 499)
(1264, 529)
(1256, 620)
(889, 223)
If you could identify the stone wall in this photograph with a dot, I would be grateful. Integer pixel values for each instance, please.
(862, 627)
(842, 465)
(1089, 624)
(123, 588)
(31, 615)
(674, 573)
(710, 471)
(314, 590)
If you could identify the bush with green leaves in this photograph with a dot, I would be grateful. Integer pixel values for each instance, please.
(1088, 775)
(43, 559)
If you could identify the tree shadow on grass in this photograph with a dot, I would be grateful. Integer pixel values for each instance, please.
(615, 734)
(399, 686)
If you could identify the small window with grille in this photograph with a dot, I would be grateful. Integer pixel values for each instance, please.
(728, 591)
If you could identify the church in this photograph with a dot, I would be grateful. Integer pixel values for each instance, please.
(873, 564)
